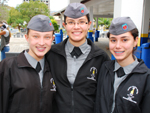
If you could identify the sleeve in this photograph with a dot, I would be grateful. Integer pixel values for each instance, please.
(145, 106)
(7, 33)
(99, 84)
(4, 87)
(107, 58)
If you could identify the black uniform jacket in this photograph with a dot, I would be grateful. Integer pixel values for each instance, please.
(20, 89)
(81, 97)
(133, 94)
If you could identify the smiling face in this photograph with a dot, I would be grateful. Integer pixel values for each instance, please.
(39, 43)
(121, 46)
(77, 29)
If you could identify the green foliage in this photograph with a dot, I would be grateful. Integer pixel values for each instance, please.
(56, 26)
(3, 12)
(28, 10)
(25, 11)
(51, 17)
(13, 15)
(104, 21)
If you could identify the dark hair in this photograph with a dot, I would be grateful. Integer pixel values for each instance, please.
(134, 32)
(88, 17)
(28, 31)
(4, 26)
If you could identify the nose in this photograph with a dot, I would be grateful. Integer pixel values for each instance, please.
(118, 44)
(76, 25)
(41, 41)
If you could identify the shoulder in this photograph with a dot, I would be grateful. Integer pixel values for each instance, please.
(7, 32)
(109, 63)
(7, 63)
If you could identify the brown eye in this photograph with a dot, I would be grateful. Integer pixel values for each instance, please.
(125, 40)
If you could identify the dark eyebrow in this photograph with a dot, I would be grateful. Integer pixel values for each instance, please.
(111, 37)
(78, 20)
(121, 37)
(124, 36)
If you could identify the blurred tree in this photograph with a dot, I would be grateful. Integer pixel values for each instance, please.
(25, 11)
(51, 17)
(4, 13)
(28, 10)
(13, 16)
(56, 26)
(104, 22)
(3, 10)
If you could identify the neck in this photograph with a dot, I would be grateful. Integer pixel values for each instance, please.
(77, 43)
(126, 62)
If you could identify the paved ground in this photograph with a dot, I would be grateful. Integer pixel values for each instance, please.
(19, 44)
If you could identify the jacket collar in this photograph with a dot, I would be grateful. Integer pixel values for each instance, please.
(59, 48)
(140, 68)
(22, 62)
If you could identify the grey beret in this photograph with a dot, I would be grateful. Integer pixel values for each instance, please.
(121, 25)
(40, 23)
(76, 10)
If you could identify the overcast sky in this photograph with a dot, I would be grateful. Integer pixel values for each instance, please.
(55, 5)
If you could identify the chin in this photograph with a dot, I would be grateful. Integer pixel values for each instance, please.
(40, 54)
(119, 59)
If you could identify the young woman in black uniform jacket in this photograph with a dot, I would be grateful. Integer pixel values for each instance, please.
(128, 92)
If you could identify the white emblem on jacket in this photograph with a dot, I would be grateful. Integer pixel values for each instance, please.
(93, 71)
(133, 90)
(54, 86)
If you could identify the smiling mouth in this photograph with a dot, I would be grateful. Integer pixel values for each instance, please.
(119, 51)
(76, 33)
(41, 48)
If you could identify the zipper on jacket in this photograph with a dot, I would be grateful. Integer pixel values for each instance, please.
(72, 100)
(118, 89)
(41, 90)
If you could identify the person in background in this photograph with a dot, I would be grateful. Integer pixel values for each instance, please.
(0, 30)
(26, 83)
(123, 83)
(75, 64)
(5, 38)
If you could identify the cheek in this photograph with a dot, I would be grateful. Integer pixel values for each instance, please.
(49, 43)
(32, 42)
(68, 29)
(129, 46)
(85, 28)
(111, 46)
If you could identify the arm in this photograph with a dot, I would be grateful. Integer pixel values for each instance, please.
(145, 106)
(2, 32)
(99, 84)
(4, 88)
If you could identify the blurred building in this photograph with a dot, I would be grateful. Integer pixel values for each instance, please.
(47, 2)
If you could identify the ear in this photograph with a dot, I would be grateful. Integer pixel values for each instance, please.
(26, 37)
(53, 37)
(89, 24)
(64, 24)
(136, 41)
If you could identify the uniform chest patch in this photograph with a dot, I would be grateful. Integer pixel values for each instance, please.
(93, 72)
(133, 90)
(53, 85)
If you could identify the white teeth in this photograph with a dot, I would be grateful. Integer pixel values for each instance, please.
(76, 32)
(119, 52)
(40, 48)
